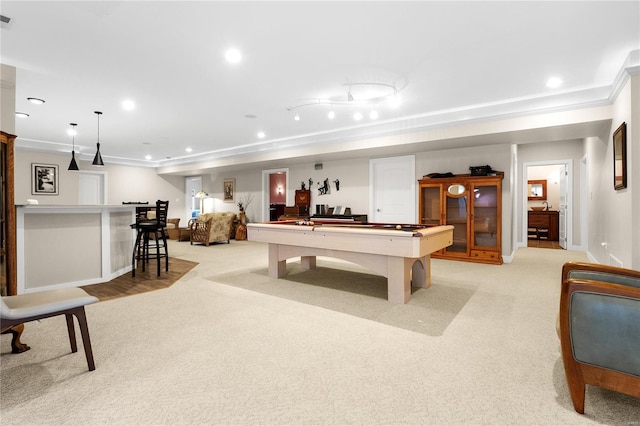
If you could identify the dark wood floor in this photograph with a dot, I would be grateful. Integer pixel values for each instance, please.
(544, 244)
(125, 285)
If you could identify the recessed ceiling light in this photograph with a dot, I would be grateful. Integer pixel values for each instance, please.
(128, 105)
(147, 157)
(554, 82)
(297, 117)
(189, 149)
(357, 116)
(373, 115)
(261, 135)
(22, 114)
(233, 56)
(36, 101)
(331, 115)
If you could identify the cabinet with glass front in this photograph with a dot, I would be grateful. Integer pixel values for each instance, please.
(473, 205)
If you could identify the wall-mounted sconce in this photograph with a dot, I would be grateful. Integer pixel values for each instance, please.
(279, 190)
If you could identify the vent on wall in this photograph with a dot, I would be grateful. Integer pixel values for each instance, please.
(614, 261)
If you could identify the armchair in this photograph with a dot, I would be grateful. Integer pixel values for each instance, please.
(211, 227)
(600, 329)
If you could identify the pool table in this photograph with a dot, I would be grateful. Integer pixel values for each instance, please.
(399, 252)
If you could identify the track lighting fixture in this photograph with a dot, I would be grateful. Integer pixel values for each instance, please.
(73, 165)
(369, 95)
(97, 160)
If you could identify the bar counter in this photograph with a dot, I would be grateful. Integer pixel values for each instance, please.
(71, 246)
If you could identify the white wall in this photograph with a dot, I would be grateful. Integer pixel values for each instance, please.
(611, 218)
(123, 183)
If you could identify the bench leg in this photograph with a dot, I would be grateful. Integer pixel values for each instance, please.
(86, 340)
(72, 332)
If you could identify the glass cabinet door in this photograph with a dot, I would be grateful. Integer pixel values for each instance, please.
(485, 216)
(456, 204)
(431, 213)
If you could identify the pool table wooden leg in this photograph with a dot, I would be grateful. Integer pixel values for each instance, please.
(421, 272)
(308, 262)
(277, 268)
(399, 279)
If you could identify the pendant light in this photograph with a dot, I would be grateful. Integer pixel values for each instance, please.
(73, 165)
(97, 160)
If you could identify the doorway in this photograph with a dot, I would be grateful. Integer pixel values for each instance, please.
(192, 185)
(283, 181)
(547, 219)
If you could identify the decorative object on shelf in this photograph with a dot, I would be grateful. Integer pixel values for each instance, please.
(302, 186)
(620, 157)
(229, 190)
(244, 202)
(310, 182)
(337, 182)
(480, 170)
(324, 189)
(368, 95)
(97, 160)
(73, 165)
(44, 179)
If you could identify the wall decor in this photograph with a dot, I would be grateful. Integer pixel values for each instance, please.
(44, 179)
(537, 189)
(229, 190)
(620, 157)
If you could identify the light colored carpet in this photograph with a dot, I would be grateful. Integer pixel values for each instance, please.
(340, 287)
(206, 353)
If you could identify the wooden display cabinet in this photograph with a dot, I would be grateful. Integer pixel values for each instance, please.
(8, 277)
(473, 205)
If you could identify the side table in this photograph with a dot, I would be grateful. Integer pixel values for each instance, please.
(241, 232)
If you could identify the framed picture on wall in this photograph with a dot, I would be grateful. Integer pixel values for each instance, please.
(229, 190)
(620, 157)
(44, 179)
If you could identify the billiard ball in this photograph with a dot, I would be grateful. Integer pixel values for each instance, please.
(310, 223)
(398, 226)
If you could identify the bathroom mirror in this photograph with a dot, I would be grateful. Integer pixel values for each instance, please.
(456, 189)
(537, 190)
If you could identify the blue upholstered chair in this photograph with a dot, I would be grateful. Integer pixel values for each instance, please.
(600, 329)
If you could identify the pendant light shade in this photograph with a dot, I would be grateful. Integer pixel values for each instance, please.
(73, 165)
(97, 160)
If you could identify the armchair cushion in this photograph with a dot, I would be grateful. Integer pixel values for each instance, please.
(600, 329)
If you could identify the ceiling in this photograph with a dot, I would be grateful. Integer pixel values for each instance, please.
(446, 62)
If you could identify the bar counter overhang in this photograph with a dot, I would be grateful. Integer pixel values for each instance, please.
(70, 246)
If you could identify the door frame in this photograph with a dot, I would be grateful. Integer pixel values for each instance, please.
(265, 190)
(569, 213)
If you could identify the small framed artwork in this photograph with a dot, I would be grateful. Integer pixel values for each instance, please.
(229, 190)
(620, 157)
(44, 179)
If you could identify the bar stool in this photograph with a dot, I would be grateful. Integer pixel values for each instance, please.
(147, 228)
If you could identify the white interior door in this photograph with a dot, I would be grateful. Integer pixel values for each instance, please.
(192, 185)
(91, 188)
(562, 208)
(392, 190)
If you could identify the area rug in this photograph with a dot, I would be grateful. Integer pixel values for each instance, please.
(125, 285)
(331, 286)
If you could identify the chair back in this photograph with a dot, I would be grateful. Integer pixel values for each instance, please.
(162, 207)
